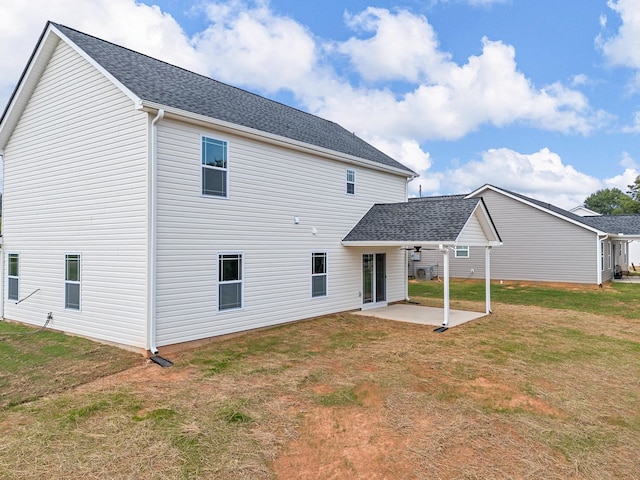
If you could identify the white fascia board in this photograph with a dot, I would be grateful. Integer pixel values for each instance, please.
(190, 117)
(134, 98)
(394, 243)
(537, 207)
(27, 84)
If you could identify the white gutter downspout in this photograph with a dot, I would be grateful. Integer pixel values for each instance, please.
(600, 259)
(152, 236)
(445, 252)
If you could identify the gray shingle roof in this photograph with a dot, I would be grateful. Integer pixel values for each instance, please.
(159, 82)
(425, 220)
(614, 224)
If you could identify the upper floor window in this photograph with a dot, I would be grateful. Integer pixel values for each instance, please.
(462, 251)
(318, 274)
(72, 282)
(229, 281)
(13, 276)
(214, 167)
(351, 182)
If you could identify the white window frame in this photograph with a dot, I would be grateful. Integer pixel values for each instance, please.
(462, 251)
(324, 274)
(13, 277)
(239, 281)
(203, 166)
(602, 255)
(351, 181)
(73, 282)
(610, 255)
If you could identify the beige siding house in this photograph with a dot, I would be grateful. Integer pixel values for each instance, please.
(148, 206)
(541, 242)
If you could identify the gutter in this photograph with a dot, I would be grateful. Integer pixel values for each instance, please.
(153, 237)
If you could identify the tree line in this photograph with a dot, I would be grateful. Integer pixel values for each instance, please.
(613, 201)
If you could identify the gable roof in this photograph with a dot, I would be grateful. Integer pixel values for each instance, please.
(613, 225)
(162, 85)
(421, 221)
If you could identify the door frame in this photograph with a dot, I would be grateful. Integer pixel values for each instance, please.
(377, 276)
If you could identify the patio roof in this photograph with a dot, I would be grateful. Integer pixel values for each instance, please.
(447, 221)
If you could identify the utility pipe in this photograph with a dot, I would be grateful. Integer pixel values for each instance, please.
(152, 236)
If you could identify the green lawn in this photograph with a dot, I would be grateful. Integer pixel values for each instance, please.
(623, 299)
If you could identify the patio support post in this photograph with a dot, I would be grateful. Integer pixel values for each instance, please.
(445, 254)
(487, 278)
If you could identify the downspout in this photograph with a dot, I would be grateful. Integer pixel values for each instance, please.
(600, 257)
(445, 252)
(152, 236)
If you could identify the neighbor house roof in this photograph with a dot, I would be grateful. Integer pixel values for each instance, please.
(614, 225)
(421, 221)
(158, 83)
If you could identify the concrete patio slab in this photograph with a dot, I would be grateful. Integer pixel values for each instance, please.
(403, 312)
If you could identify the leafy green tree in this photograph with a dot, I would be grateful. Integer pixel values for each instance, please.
(613, 201)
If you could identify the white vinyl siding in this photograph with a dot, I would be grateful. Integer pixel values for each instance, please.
(75, 179)
(271, 185)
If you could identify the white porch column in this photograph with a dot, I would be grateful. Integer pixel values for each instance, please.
(445, 254)
(487, 278)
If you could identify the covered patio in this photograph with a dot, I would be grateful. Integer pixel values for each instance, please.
(427, 223)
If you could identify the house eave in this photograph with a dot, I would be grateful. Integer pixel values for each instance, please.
(202, 120)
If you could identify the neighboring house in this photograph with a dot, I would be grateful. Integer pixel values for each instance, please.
(147, 206)
(543, 243)
(583, 211)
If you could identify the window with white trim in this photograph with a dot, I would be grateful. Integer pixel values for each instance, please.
(602, 256)
(229, 281)
(72, 281)
(318, 274)
(214, 167)
(462, 251)
(13, 276)
(351, 182)
(610, 255)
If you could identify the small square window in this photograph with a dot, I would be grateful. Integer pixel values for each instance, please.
(462, 251)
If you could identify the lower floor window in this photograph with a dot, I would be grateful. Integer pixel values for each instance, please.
(72, 282)
(229, 281)
(462, 251)
(13, 278)
(318, 274)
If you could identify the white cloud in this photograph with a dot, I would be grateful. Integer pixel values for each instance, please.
(136, 26)
(254, 47)
(635, 127)
(404, 47)
(541, 175)
(623, 48)
(627, 177)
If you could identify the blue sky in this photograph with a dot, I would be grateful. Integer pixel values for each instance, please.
(541, 97)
